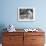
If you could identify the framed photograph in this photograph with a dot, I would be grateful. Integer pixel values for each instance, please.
(26, 14)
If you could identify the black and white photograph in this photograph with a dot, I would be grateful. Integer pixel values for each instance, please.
(26, 14)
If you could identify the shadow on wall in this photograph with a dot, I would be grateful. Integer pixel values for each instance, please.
(2, 26)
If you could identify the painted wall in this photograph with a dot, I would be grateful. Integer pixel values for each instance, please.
(8, 13)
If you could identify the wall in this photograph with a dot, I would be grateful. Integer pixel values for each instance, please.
(9, 13)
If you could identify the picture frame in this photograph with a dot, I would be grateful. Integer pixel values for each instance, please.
(26, 14)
